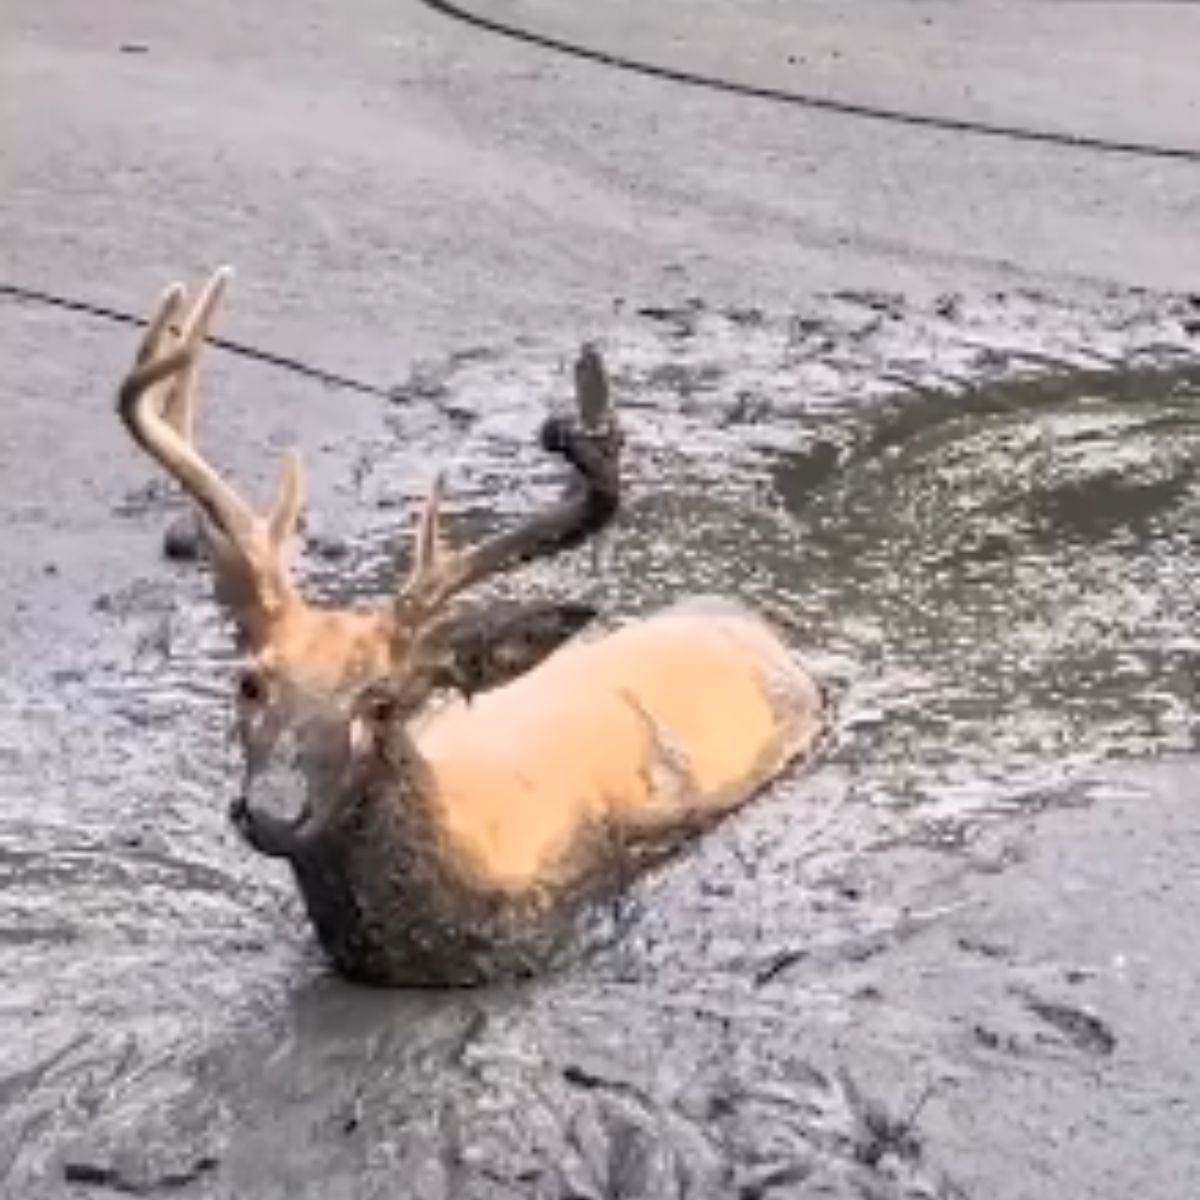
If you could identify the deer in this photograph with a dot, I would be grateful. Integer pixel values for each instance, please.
(450, 792)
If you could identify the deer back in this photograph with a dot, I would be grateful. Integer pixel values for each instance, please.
(666, 723)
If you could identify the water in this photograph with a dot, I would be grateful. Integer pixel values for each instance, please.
(999, 579)
(1013, 582)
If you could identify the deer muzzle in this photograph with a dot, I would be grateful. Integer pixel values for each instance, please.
(273, 807)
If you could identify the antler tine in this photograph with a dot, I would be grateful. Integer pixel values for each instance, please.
(158, 436)
(179, 407)
(427, 552)
(156, 328)
(427, 542)
(289, 499)
(586, 507)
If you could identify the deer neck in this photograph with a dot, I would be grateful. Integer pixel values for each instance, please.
(379, 880)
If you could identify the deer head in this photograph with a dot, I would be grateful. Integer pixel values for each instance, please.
(301, 657)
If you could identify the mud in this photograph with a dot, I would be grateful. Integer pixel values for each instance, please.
(951, 961)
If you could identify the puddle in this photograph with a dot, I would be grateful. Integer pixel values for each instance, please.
(1012, 579)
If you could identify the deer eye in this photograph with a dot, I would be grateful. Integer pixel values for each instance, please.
(250, 687)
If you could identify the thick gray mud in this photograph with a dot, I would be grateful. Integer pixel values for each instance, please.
(976, 519)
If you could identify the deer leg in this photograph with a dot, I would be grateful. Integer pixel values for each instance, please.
(595, 456)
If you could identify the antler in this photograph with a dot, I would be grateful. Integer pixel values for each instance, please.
(249, 551)
(591, 445)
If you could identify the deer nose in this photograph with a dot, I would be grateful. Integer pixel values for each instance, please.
(277, 839)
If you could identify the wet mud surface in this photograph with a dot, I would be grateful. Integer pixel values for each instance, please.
(952, 959)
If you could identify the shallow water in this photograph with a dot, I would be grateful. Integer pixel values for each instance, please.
(999, 579)
(1013, 582)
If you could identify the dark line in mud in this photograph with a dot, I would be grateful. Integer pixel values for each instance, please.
(28, 295)
(845, 108)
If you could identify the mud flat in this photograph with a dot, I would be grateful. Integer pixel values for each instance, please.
(952, 960)
(919, 405)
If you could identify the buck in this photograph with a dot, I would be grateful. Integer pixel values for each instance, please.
(450, 790)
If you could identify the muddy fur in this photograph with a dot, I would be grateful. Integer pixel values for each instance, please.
(488, 645)
(391, 903)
